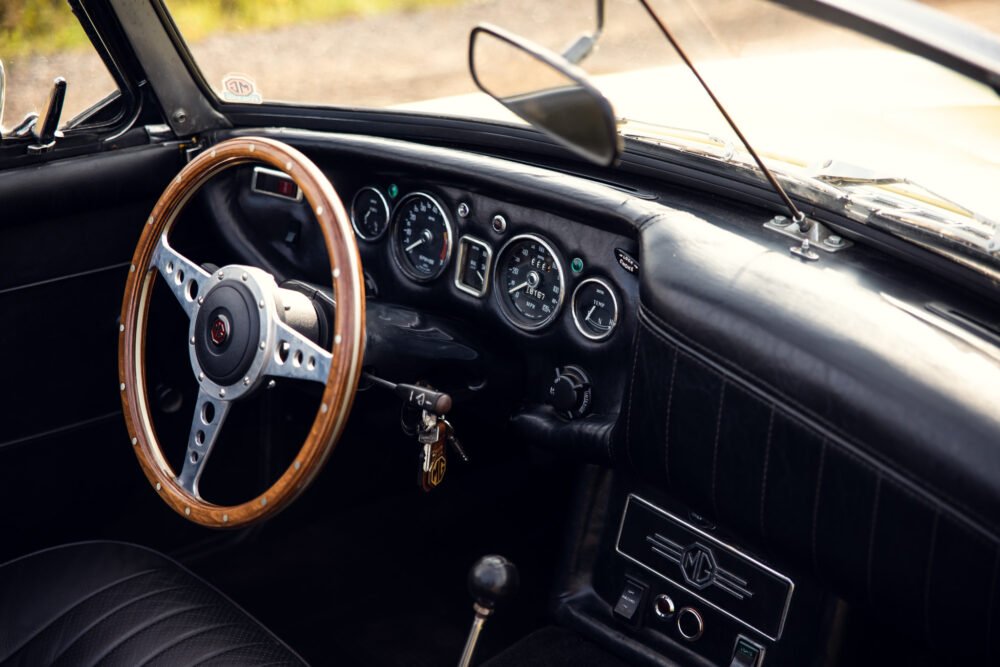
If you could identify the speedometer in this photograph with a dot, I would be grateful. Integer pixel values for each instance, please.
(421, 237)
(529, 281)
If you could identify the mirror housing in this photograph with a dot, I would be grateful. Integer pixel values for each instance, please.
(547, 91)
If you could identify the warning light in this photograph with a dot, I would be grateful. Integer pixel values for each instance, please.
(393, 190)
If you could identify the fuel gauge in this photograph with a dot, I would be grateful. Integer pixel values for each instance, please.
(472, 274)
(595, 308)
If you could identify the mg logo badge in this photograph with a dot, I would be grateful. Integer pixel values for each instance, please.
(698, 566)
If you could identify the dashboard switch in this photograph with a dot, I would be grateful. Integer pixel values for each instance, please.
(630, 601)
(747, 653)
(570, 392)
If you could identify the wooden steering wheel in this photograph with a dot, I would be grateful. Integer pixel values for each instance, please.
(243, 331)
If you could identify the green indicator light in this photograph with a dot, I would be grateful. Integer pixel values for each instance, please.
(393, 191)
(576, 265)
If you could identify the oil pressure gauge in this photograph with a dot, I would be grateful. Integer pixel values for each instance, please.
(595, 308)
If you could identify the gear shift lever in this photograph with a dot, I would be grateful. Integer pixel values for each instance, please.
(491, 580)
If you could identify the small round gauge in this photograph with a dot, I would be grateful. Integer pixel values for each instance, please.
(369, 214)
(529, 281)
(421, 235)
(595, 308)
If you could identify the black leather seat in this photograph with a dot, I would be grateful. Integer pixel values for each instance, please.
(109, 603)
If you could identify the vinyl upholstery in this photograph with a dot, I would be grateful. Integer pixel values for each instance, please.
(112, 603)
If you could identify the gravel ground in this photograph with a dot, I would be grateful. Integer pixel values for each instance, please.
(408, 56)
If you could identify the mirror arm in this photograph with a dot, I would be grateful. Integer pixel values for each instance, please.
(47, 135)
(585, 44)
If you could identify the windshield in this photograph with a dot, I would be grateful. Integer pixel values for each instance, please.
(804, 92)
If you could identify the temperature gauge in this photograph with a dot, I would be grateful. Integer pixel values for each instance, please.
(473, 272)
(595, 309)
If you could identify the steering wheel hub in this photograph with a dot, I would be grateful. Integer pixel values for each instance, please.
(226, 330)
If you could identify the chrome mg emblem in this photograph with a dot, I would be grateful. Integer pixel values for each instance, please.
(698, 566)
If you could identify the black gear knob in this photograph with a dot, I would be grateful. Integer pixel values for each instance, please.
(492, 579)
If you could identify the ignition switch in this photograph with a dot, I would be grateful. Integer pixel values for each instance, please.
(570, 392)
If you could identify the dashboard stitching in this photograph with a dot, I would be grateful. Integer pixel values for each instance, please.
(767, 460)
(871, 536)
(715, 447)
(815, 517)
(993, 598)
(631, 393)
(927, 575)
(666, 430)
(930, 495)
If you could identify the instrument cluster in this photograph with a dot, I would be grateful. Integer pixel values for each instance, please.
(523, 271)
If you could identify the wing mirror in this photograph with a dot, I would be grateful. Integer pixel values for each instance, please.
(546, 90)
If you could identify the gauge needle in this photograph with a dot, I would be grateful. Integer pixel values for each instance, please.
(519, 287)
(590, 312)
(414, 244)
(482, 278)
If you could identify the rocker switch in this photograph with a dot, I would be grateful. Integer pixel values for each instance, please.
(630, 601)
(746, 653)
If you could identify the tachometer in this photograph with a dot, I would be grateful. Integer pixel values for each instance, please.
(529, 281)
(422, 237)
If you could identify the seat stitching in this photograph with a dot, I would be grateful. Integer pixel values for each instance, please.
(110, 614)
(177, 641)
(74, 606)
(213, 656)
(147, 626)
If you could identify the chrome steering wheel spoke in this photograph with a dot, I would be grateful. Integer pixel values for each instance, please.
(184, 278)
(297, 357)
(209, 415)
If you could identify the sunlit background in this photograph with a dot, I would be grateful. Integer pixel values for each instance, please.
(803, 89)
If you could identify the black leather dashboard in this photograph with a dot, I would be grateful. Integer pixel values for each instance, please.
(828, 413)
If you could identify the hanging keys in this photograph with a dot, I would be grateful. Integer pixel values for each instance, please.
(432, 435)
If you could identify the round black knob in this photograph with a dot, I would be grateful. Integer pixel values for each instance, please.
(492, 579)
(570, 391)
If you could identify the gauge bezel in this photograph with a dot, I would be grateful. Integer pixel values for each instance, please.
(460, 262)
(614, 300)
(398, 255)
(385, 205)
(501, 295)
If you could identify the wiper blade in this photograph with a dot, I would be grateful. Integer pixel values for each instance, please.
(912, 206)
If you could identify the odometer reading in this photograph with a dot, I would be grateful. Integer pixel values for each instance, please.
(529, 281)
(421, 237)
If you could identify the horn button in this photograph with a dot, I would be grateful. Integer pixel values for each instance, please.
(226, 332)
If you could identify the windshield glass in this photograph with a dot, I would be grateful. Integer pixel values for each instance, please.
(804, 92)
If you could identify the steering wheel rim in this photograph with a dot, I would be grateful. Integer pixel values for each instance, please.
(191, 285)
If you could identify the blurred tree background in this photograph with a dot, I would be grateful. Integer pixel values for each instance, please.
(46, 26)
